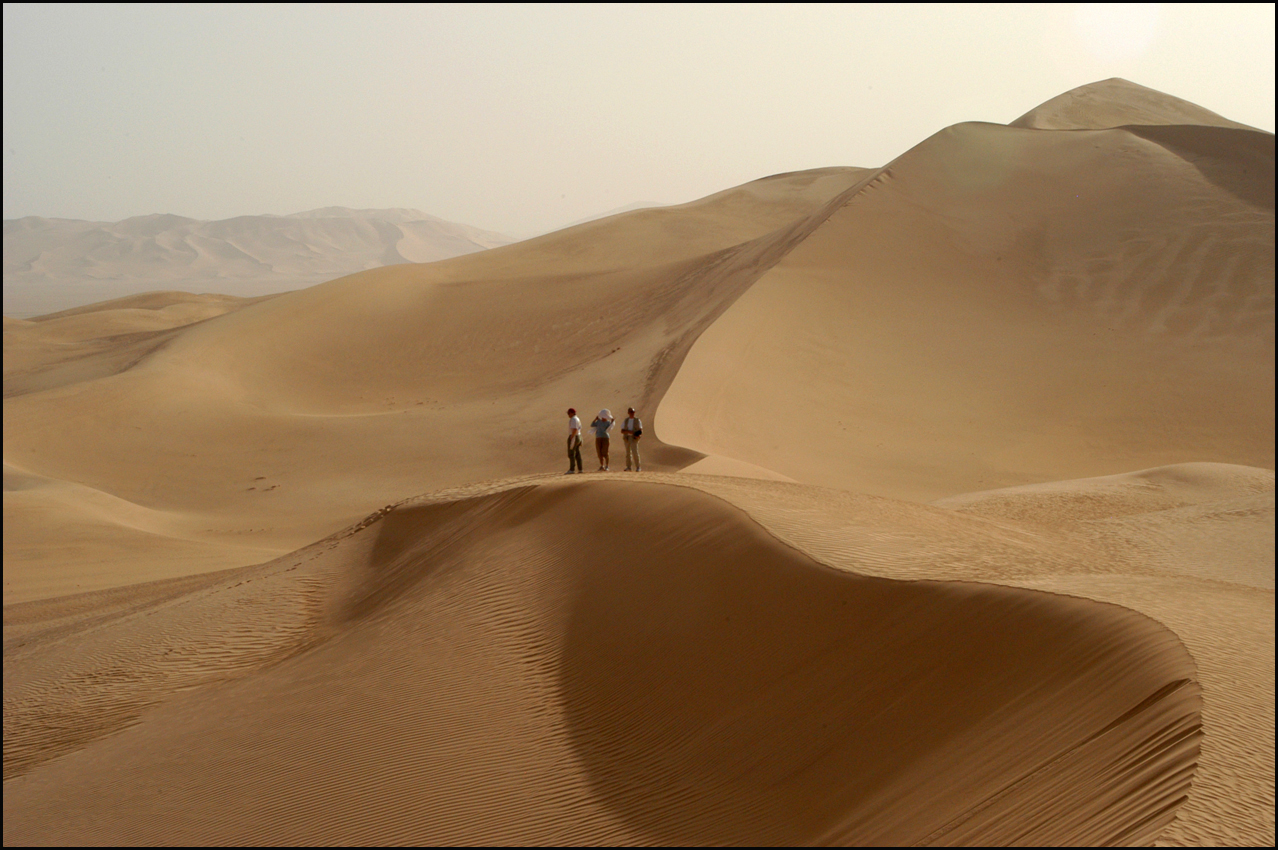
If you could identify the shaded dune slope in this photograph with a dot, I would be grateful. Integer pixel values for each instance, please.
(1191, 545)
(510, 666)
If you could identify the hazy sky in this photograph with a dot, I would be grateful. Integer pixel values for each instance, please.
(524, 118)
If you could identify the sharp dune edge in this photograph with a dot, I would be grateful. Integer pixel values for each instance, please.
(624, 694)
(955, 525)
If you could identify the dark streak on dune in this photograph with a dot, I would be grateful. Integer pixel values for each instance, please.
(399, 560)
(1239, 161)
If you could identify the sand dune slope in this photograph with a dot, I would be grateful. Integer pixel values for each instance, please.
(1002, 306)
(511, 667)
(1192, 545)
(290, 417)
(955, 524)
(100, 339)
(1118, 103)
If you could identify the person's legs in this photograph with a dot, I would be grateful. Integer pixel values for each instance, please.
(632, 453)
(603, 453)
(574, 454)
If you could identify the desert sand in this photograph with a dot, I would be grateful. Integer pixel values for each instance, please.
(955, 524)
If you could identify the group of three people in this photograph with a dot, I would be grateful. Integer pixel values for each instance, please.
(631, 431)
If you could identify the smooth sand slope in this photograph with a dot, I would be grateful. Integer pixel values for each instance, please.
(273, 425)
(1002, 305)
(54, 264)
(991, 559)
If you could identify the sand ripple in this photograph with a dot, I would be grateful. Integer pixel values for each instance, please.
(592, 662)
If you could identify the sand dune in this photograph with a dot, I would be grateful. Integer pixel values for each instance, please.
(56, 264)
(1118, 103)
(98, 340)
(1198, 542)
(50, 520)
(451, 374)
(636, 694)
(955, 525)
(1001, 306)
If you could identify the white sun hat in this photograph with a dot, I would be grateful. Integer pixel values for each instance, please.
(605, 414)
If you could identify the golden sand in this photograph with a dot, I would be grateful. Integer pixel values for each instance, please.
(956, 523)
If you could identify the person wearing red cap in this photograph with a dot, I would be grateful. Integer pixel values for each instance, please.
(574, 442)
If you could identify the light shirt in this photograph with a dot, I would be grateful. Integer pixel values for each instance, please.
(632, 424)
(601, 428)
(574, 424)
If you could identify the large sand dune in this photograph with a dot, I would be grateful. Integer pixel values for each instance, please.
(518, 653)
(985, 504)
(276, 423)
(1003, 305)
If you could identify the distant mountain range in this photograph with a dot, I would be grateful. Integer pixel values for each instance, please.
(55, 264)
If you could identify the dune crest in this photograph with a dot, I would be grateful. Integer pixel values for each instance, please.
(609, 693)
(410, 402)
(1000, 306)
(1117, 103)
(955, 522)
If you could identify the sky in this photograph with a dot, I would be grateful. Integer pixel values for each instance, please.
(522, 119)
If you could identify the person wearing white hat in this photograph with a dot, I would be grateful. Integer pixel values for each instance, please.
(602, 425)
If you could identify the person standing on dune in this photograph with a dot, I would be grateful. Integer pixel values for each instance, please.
(631, 430)
(574, 442)
(602, 425)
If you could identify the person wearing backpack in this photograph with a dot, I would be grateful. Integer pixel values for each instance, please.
(631, 431)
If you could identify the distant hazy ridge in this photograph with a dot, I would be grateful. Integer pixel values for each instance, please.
(55, 264)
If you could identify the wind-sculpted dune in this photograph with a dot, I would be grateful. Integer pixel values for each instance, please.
(1002, 305)
(275, 423)
(593, 662)
(957, 493)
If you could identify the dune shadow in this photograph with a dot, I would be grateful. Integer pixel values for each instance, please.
(721, 688)
(414, 542)
(1239, 161)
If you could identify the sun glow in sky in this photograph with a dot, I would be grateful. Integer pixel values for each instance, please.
(522, 119)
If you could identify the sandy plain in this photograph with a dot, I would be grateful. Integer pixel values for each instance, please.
(956, 522)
